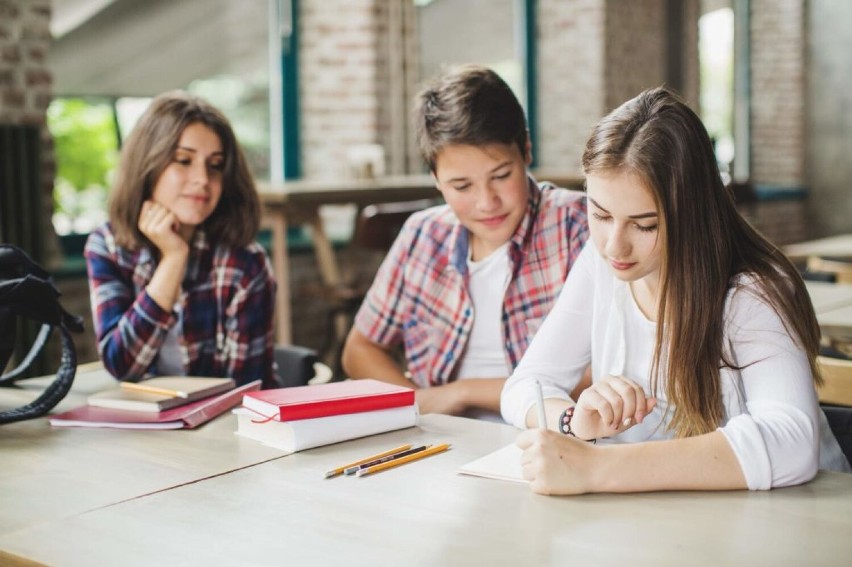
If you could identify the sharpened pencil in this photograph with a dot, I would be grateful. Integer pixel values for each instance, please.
(140, 387)
(368, 464)
(339, 470)
(401, 461)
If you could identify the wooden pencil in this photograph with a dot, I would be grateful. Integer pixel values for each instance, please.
(139, 387)
(339, 470)
(396, 462)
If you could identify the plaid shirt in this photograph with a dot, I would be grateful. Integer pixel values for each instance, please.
(420, 295)
(226, 301)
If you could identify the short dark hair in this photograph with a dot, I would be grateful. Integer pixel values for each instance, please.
(150, 148)
(468, 104)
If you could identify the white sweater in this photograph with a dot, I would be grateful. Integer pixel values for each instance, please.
(772, 416)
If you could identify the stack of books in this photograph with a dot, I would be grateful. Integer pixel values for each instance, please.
(294, 419)
(164, 402)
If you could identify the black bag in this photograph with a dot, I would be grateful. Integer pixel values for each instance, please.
(26, 291)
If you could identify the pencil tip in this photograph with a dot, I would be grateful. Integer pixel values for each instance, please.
(330, 474)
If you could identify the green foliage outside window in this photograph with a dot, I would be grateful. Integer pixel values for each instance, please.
(86, 149)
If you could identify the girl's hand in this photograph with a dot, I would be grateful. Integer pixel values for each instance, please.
(555, 463)
(610, 406)
(162, 228)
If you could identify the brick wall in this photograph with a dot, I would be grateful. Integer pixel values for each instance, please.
(25, 83)
(338, 74)
(24, 77)
(635, 44)
(25, 92)
(571, 79)
(595, 54)
(829, 117)
(777, 92)
(690, 65)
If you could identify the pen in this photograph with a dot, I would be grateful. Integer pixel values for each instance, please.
(355, 468)
(340, 470)
(137, 387)
(401, 461)
(542, 416)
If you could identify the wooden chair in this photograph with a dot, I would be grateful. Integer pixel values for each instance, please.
(835, 397)
(838, 267)
(837, 376)
(376, 228)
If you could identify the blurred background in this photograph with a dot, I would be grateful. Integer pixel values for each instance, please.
(313, 86)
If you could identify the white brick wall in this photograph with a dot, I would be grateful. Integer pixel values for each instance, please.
(338, 70)
(635, 43)
(25, 81)
(570, 79)
(778, 92)
(592, 56)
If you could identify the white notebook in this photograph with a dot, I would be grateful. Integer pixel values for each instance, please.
(502, 464)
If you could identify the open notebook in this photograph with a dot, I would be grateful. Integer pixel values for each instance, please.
(502, 464)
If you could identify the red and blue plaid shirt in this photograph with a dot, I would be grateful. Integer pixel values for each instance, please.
(226, 301)
(420, 295)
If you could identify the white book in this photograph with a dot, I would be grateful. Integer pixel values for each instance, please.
(502, 464)
(298, 435)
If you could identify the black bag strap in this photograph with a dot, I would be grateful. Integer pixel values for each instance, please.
(26, 291)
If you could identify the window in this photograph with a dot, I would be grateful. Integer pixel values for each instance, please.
(716, 56)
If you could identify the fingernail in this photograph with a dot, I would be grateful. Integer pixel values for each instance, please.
(627, 421)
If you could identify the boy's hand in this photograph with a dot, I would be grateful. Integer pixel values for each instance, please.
(447, 399)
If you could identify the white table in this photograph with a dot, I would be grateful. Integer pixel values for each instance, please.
(827, 296)
(840, 245)
(50, 473)
(837, 323)
(207, 497)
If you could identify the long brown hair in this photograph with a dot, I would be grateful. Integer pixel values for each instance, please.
(150, 147)
(706, 244)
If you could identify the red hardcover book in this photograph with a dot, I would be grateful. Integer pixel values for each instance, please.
(324, 400)
(186, 416)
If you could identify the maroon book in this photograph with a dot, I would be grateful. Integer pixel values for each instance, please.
(325, 400)
(186, 416)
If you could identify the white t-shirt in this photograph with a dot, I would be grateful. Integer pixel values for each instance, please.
(770, 404)
(485, 356)
(170, 357)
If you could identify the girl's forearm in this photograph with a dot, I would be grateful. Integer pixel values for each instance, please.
(705, 462)
(164, 287)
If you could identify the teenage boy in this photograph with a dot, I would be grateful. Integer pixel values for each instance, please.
(466, 284)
